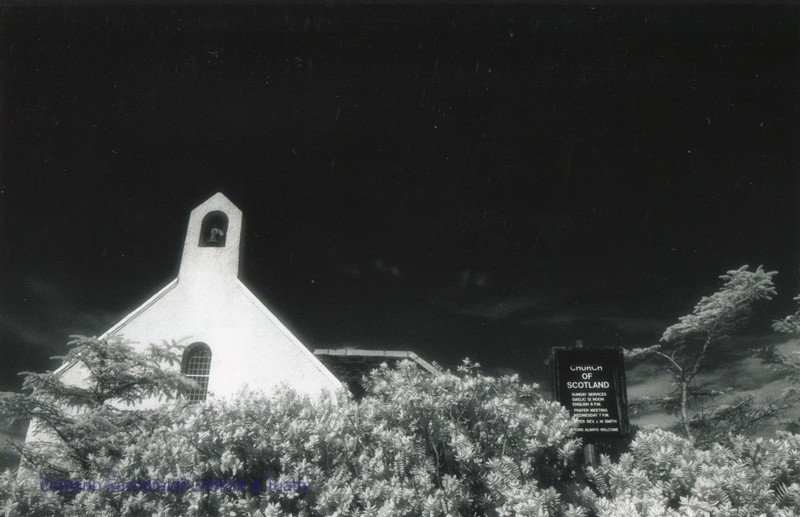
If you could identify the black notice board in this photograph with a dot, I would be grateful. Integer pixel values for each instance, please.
(590, 384)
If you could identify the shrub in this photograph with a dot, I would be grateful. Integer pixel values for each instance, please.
(417, 444)
(664, 474)
(441, 444)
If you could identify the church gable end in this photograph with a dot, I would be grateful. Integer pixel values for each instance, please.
(234, 340)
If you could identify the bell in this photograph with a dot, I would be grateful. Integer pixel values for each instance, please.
(215, 237)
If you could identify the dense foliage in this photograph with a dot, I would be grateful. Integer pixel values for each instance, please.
(664, 474)
(417, 444)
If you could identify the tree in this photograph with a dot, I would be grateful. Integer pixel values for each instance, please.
(790, 364)
(74, 426)
(685, 345)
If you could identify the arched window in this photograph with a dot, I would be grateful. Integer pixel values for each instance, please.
(196, 365)
(214, 230)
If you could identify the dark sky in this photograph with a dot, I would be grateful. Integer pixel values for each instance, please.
(482, 181)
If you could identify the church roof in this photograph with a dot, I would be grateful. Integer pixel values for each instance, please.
(351, 365)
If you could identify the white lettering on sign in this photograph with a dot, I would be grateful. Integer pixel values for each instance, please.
(585, 368)
(591, 398)
(590, 385)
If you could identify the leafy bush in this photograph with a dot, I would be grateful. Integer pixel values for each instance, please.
(443, 444)
(664, 474)
(416, 444)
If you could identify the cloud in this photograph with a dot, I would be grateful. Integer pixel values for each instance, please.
(499, 309)
(352, 270)
(495, 309)
(41, 315)
(386, 268)
(559, 319)
(13, 330)
(632, 325)
(380, 267)
(472, 278)
(635, 325)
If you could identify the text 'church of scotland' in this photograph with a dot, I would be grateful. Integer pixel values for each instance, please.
(232, 340)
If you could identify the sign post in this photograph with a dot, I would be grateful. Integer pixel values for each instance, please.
(590, 384)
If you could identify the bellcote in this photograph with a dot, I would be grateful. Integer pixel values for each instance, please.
(213, 239)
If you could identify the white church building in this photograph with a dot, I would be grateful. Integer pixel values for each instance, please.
(232, 340)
